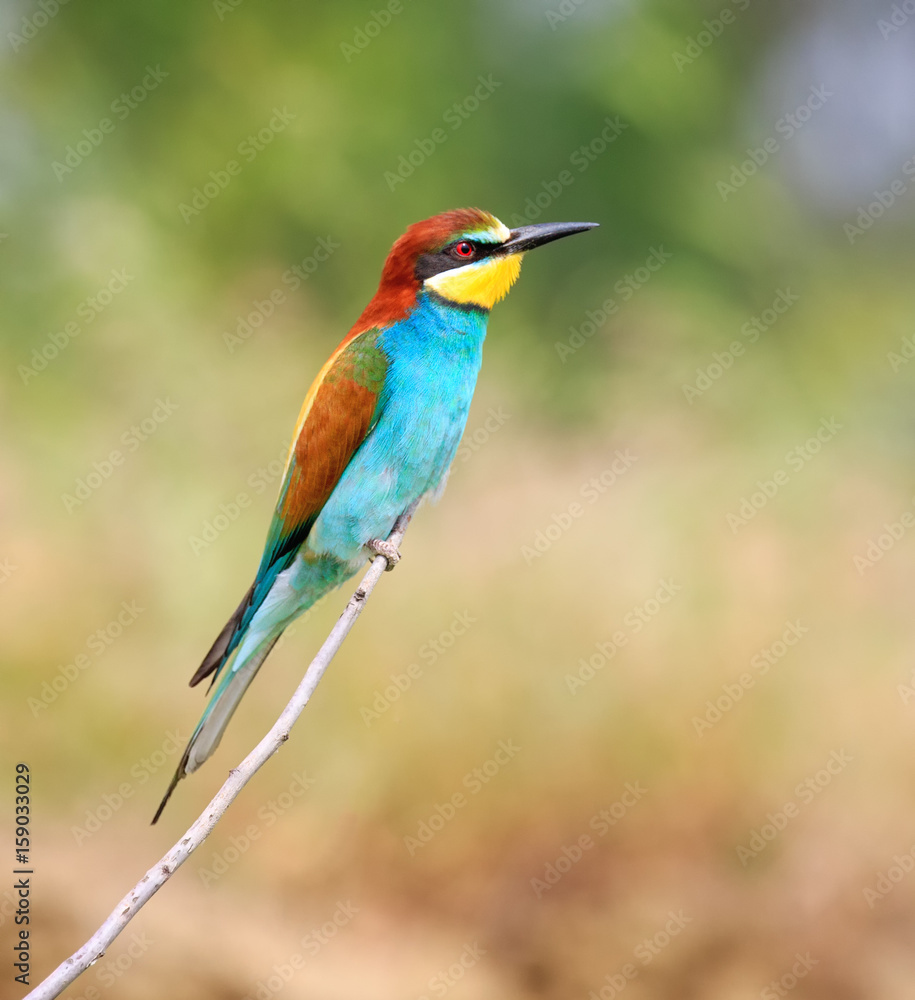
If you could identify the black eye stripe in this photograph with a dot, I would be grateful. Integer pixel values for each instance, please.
(481, 250)
(429, 264)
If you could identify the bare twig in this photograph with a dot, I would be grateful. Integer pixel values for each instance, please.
(160, 873)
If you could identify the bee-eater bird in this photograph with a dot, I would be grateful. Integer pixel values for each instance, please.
(377, 432)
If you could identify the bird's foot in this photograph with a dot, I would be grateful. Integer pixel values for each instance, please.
(387, 549)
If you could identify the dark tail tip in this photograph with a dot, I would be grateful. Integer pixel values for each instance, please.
(178, 775)
(215, 658)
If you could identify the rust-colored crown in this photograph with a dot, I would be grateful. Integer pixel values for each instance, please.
(397, 289)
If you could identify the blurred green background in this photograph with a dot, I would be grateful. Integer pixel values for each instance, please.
(728, 354)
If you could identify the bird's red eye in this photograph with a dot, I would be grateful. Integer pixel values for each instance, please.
(463, 249)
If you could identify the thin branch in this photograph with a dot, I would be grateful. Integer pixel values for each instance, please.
(161, 872)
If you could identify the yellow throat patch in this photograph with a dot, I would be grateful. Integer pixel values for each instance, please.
(481, 283)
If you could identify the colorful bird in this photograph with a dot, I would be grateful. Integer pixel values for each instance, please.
(378, 431)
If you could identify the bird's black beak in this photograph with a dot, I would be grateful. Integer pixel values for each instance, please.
(527, 237)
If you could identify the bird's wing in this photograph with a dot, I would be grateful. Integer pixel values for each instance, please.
(340, 409)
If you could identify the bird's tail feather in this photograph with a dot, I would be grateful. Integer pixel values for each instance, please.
(220, 650)
(244, 644)
(220, 710)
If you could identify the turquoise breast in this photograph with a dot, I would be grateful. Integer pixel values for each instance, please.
(434, 358)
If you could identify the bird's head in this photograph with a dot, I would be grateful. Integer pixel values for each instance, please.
(465, 256)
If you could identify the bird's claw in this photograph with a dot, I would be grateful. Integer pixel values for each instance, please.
(387, 549)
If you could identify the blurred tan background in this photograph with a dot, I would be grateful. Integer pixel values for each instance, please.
(662, 742)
